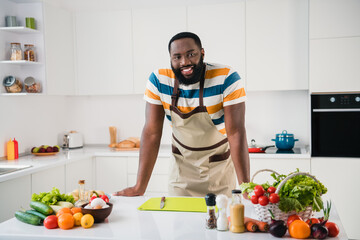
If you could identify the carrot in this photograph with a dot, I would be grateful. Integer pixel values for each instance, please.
(251, 226)
(263, 226)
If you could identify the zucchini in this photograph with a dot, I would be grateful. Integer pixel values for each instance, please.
(36, 213)
(28, 218)
(41, 207)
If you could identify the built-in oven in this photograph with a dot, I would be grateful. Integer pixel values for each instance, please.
(335, 125)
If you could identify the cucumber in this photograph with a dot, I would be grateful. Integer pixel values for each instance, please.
(28, 218)
(41, 207)
(36, 213)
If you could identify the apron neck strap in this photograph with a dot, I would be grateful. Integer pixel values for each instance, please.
(176, 92)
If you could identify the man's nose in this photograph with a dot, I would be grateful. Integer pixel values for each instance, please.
(184, 61)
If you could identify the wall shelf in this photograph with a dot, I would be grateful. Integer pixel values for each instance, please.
(20, 29)
(21, 62)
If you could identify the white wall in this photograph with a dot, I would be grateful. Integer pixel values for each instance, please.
(37, 120)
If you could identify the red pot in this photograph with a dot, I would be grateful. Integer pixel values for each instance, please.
(254, 148)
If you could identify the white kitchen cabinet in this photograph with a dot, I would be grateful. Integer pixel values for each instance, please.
(15, 194)
(221, 28)
(281, 166)
(277, 44)
(152, 31)
(59, 50)
(104, 52)
(334, 64)
(80, 170)
(45, 180)
(159, 180)
(341, 177)
(111, 173)
(22, 69)
(334, 18)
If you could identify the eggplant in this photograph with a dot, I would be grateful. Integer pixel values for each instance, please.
(277, 228)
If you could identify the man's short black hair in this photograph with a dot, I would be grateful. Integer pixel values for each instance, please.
(186, 35)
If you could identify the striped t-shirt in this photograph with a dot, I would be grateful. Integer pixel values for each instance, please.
(222, 87)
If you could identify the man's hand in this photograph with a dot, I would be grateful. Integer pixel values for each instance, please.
(129, 192)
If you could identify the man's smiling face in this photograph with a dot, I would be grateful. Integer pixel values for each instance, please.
(186, 60)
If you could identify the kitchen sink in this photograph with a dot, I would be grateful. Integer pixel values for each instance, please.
(4, 169)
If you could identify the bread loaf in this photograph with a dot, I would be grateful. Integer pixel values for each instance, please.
(135, 140)
(126, 144)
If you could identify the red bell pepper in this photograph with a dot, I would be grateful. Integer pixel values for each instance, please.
(105, 198)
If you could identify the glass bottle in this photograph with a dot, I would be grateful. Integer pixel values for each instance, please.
(82, 196)
(29, 52)
(210, 200)
(16, 52)
(237, 213)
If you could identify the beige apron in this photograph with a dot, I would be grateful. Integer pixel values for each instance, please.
(202, 162)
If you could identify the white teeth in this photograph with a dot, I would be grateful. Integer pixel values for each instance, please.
(187, 69)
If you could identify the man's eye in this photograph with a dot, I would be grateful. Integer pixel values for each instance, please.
(192, 55)
(177, 57)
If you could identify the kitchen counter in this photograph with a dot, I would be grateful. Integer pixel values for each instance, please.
(39, 163)
(126, 222)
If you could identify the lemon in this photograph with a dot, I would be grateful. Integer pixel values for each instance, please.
(87, 221)
(77, 217)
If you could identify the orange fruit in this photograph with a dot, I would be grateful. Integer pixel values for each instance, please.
(87, 221)
(299, 229)
(63, 210)
(66, 221)
(77, 218)
(75, 210)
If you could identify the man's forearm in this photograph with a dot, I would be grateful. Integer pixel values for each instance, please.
(240, 155)
(150, 143)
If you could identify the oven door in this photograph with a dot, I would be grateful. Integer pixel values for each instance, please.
(335, 133)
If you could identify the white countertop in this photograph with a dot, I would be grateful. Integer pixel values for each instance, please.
(126, 222)
(39, 163)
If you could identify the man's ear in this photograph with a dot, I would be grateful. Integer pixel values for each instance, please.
(203, 52)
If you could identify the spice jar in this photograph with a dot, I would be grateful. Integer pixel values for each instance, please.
(82, 194)
(16, 52)
(210, 200)
(12, 85)
(29, 52)
(237, 213)
(31, 86)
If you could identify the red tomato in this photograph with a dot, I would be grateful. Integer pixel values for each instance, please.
(263, 200)
(254, 199)
(312, 221)
(271, 189)
(259, 190)
(274, 198)
(51, 222)
(332, 228)
(292, 218)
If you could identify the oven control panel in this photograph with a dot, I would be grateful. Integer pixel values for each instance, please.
(319, 101)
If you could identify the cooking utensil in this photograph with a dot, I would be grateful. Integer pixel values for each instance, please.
(162, 203)
(177, 204)
(284, 140)
(253, 148)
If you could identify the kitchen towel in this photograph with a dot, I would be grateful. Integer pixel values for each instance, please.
(177, 204)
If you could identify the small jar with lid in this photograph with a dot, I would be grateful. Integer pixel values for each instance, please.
(210, 200)
(16, 52)
(29, 52)
(31, 86)
(12, 85)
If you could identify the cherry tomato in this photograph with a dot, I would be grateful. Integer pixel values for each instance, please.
(259, 190)
(254, 199)
(263, 200)
(51, 222)
(312, 221)
(332, 228)
(274, 198)
(292, 218)
(271, 190)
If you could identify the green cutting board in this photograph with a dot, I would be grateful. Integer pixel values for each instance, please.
(177, 204)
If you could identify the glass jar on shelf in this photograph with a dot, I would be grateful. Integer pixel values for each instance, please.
(31, 86)
(16, 52)
(29, 52)
(12, 84)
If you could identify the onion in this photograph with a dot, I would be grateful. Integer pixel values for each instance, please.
(319, 231)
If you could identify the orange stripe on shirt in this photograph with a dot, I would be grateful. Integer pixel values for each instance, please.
(167, 72)
(223, 131)
(151, 95)
(236, 94)
(214, 108)
(216, 72)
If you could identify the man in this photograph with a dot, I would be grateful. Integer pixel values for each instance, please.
(205, 105)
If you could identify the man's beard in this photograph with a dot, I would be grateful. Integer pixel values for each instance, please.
(198, 70)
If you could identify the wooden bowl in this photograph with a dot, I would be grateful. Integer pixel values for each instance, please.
(99, 214)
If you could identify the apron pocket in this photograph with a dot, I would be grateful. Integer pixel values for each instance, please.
(220, 157)
(175, 150)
